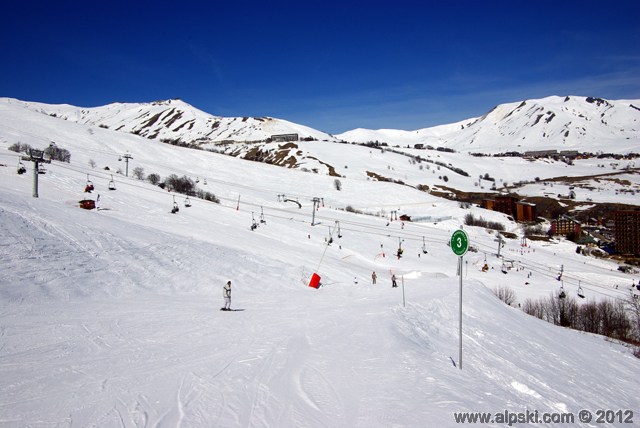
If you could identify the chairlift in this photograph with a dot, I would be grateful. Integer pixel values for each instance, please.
(262, 220)
(424, 246)
(112, 184)
(580, 291)
(562, 294)
(21, 168)
(400, 250)
(329, 240)
(339, 233)
(205, 182)
(175, 208)
(42, 169)
(254, 225)
(88, 188)
(187, 202)
(197, 180)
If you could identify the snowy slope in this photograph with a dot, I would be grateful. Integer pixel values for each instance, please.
(585, 124)
(110, 317)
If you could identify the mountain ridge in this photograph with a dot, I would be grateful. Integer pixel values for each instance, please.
(586, 124)
(561, 123)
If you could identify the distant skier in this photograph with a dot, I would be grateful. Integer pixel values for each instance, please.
(373, 278)
(394, 284)
(226, 293)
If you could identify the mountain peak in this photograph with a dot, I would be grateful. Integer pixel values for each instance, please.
(553, 123)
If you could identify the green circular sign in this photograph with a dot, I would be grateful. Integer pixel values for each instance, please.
(459, 242)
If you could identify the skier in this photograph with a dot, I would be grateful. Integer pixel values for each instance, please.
(373, 278)
(394, 284)
(226, 293)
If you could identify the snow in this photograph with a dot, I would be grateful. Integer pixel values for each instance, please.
(111, 317)
(552, 123)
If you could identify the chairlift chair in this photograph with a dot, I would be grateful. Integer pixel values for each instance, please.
(175, 208)
(112, 184)
(262, 220)
(187, 202)
(88, 188)
(580, 292)
(339, 233)
(254, 225)
(424, 246)
(42, 169)
(21, 168)
(562, 294)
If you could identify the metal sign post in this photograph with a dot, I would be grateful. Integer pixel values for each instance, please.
(459, 246)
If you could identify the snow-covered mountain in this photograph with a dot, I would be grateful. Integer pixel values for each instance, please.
(110, 317)
(175, 120)
(585, 124)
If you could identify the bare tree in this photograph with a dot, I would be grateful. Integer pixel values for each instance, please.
(138, 172)
(505, 294)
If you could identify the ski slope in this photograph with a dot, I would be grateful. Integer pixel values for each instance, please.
(111, 317)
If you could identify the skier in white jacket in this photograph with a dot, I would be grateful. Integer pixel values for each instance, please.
(226, 293)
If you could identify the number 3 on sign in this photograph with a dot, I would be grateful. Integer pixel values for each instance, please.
(459, 242)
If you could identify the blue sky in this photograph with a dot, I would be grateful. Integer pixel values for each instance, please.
(333, 66)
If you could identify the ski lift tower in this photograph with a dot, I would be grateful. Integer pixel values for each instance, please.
(126, 158)
(316, 205)
(37, 157)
